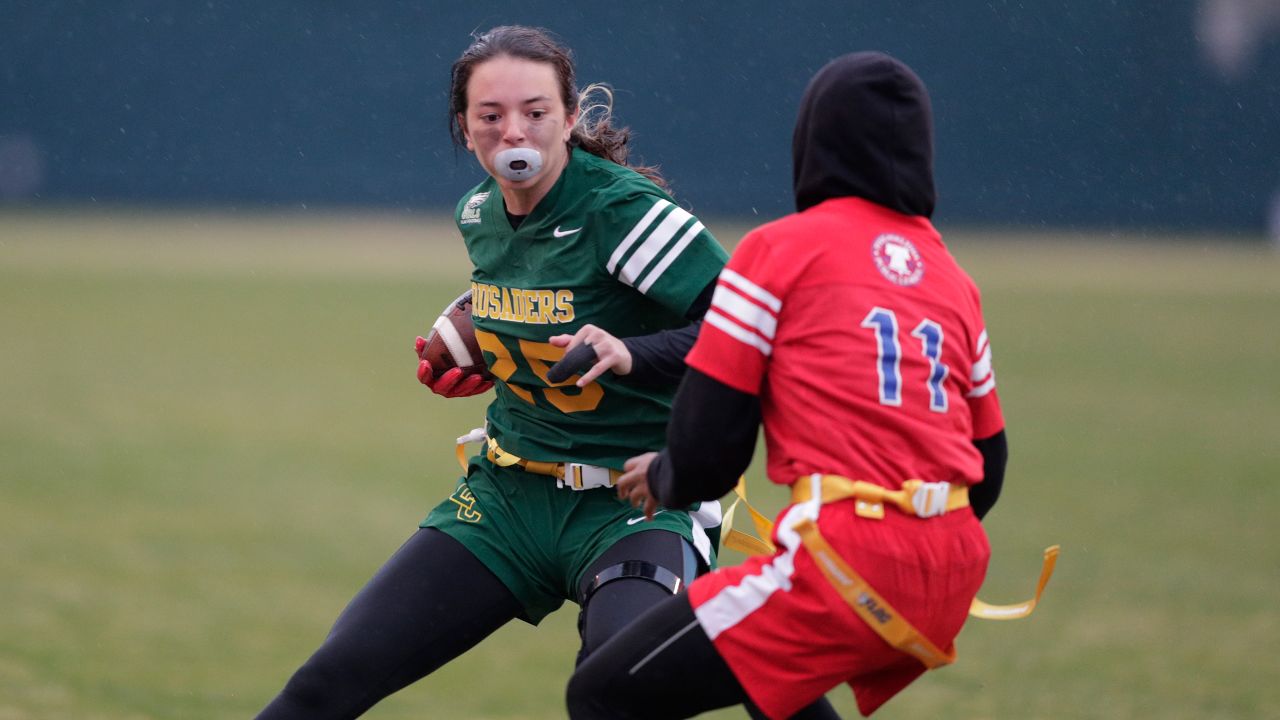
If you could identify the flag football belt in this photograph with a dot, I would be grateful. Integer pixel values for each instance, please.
(572, 475)
(874, 610)
(915, 498)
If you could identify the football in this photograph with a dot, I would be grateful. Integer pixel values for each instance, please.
(452, 341)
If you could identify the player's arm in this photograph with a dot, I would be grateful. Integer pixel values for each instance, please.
(658, 359)
(662, 251)
(995, 455)
(654, 359)
(710, 441)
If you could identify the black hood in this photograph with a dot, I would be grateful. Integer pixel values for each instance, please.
(865, 129)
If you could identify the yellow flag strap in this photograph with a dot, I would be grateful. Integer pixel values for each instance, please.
(916, 497)
(874, 610)
(746, 543)
(572, 475)
(761, 545)
(460, 450)
(987, 611)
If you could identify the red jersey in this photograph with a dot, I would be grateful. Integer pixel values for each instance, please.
(856, 314)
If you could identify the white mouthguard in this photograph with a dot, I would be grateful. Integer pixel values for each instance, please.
(518, 163)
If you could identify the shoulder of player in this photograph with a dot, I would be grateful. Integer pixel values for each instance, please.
(476, 197)
(615, 210)
(606, 185)
(799, 250)
(791, 234)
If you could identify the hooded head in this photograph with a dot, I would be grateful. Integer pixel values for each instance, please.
(865, 129)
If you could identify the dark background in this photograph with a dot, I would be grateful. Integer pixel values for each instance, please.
(1086, 114)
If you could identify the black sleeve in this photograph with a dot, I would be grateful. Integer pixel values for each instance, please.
(995, 454)
(658, 359)
(710, 440)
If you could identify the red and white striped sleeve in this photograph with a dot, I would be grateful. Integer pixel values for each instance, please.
(738, 331)
(984, 406)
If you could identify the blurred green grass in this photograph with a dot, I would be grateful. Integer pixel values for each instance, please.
(210, 437)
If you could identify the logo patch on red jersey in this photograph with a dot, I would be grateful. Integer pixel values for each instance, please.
(897, 259)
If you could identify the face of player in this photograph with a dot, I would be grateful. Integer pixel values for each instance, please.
(515, 103)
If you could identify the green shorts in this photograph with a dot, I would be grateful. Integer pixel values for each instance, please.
(539, 539)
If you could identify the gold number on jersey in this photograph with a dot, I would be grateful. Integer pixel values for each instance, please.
(539, 357)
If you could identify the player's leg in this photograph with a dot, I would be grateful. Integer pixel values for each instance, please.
(637, 572)
(661, 665)
(432, 601)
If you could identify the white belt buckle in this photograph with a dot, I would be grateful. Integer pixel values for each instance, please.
(930, 499)
(586, 477)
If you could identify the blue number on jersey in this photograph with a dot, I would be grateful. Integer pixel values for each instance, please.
(930, 334)
(888, 351)
(889, 357)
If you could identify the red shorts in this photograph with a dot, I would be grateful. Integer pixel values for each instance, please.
(789, 636)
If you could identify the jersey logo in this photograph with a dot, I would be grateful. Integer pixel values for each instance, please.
(564, 233)
(466, 503)
(471, 211)
(897, 259)
(642, 518)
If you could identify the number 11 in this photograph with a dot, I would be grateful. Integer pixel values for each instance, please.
(889, 353)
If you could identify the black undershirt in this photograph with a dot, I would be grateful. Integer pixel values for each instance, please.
(707, 470)
(658, 359)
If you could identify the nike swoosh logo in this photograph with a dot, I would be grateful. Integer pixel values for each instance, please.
(633, 521)
(564, 233)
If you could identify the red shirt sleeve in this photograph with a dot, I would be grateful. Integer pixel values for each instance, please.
(984, 405)
(738, 330)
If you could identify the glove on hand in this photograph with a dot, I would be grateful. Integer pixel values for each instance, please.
(453, 382)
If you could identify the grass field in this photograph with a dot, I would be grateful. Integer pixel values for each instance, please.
(210, 436)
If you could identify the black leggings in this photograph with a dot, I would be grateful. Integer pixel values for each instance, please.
(432, 601)
(662, 666)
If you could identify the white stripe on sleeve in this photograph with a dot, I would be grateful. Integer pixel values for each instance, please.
(635, 233)
(653, 244)
(728, 301)
(737, 332)
(751, 289)
(670, 257)
(982, 376)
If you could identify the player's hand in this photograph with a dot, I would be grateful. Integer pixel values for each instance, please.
(452, 383)
(611, 353)
(633, 485)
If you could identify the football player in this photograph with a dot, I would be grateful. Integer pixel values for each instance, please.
(851, 333)
(570, 245)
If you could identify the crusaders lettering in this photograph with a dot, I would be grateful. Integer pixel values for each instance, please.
(532, 307)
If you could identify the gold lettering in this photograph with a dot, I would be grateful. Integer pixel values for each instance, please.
(495, 302)
(546, 302)
(564, 306)
(518, 304)
(506, 305)
(533, 307)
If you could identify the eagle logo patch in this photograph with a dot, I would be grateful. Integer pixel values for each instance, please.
(471, 211)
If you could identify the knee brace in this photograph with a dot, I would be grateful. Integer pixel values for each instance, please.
(638, 569)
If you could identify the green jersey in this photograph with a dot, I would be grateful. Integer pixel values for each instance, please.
(607, 247)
